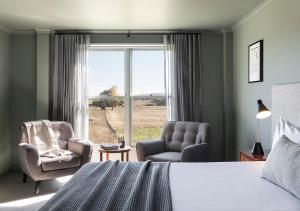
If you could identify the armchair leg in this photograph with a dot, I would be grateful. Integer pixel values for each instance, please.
(24, 178)
(37, 187)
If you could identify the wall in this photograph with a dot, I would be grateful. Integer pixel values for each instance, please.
(212, 90)
(117, 38)
(42, 74)
(23, 62)
(5, 147)
(278, 25)
(229, 140)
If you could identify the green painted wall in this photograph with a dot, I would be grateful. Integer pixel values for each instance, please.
(23, 85)
(278, 25)
(5, 147)
(212, 91)
(42, 74)
(228, 119)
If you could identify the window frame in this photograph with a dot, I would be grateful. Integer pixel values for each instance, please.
(128, 48)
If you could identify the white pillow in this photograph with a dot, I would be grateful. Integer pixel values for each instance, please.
(279, 131)
(292, 132)
(283, 166)
(288, 129)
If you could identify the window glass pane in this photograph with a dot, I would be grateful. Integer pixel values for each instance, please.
(106, 69)
(106, 95)
(148, 94)
(148, 72)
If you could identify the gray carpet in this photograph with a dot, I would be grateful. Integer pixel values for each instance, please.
(15, 195)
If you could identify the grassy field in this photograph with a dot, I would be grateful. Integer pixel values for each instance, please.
(147, 122)
(141, 134)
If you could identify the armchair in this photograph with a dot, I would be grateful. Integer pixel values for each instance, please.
(180, 142)
(44, 168)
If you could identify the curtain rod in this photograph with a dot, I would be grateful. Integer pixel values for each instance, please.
(136, 32)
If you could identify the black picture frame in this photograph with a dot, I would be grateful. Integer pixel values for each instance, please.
(255, 62)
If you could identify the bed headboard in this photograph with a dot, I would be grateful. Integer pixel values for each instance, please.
(286, 103)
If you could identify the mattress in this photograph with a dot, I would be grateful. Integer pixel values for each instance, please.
(226, 187)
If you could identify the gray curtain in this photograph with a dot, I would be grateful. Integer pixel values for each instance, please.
(68, 78)
(183, 76)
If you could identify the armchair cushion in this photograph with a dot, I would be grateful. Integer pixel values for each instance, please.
(180, 134)
(149, 147)
(60, 162)
(165, 157)
(63, 131)
(81, 148)
(195, 153)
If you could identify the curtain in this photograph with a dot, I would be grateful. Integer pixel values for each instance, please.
(68, 81)
(183, 76)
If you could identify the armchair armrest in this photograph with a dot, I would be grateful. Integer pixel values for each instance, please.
(149, 147)
(29, 160)
(195, 153)
(82, 148)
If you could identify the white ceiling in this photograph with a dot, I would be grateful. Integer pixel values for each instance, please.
(123, 14)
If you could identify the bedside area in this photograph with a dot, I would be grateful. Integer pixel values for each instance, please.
(246, 155)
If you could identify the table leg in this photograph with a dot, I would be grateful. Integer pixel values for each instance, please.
(101, 156)
(127, 155)
(122, 156)
(107, 156)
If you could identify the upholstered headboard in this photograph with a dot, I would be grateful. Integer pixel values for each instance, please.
(286, 103)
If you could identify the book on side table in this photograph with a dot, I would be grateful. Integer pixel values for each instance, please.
(109, 146)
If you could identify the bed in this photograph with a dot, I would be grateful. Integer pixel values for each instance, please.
(235, 185)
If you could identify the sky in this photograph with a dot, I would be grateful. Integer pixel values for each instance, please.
(106, 69)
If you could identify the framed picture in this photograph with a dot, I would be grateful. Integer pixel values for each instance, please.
(255, 62)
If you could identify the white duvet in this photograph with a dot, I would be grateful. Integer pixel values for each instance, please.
(230, 186)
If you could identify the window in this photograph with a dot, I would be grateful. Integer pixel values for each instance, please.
(126, 93)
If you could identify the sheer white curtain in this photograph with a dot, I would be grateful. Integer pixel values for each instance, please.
(170, 80)
(68, 81)
(81, 95)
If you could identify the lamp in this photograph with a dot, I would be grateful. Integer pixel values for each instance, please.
(263, 112)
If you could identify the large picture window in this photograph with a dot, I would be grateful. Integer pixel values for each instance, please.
(126, 93)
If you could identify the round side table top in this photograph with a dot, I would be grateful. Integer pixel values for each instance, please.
(125, 149)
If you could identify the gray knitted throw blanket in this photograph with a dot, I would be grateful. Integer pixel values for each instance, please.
(114, 185)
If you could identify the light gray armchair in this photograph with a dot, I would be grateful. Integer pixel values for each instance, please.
(180, 142)
(44, 168)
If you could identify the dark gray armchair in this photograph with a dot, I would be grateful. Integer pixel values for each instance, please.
(43, 168)
(180, 142)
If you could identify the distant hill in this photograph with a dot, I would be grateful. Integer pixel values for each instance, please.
(142, 95)
(153, 95)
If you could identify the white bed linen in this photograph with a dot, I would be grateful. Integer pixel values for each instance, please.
(226, 186)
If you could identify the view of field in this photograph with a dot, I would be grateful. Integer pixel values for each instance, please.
(107, 91)
(147, 121)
